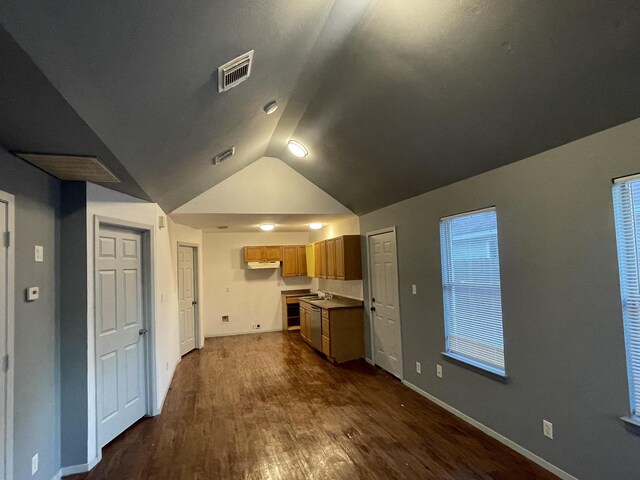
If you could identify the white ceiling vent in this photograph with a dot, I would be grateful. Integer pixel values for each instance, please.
(234, 72)
(67, 167)
(221, 157)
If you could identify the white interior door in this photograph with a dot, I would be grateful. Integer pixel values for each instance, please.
(120, 331)
(387, 340)
(186, 298)
(4, 311)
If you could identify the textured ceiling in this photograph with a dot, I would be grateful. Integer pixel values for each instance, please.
(392, 98)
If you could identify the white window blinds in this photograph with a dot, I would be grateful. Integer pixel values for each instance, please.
(626, 202)
(471, 289)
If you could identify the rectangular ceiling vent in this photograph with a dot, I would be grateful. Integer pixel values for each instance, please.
(234, 72)
(221, 157)
(68, 167)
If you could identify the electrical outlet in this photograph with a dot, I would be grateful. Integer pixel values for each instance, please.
(414, 289)
(418, 367)
(439, 371)
(225, 319)
(34, 464)
(547, 429)
(256, 326)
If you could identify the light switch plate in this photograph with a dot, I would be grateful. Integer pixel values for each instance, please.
(33, 293)
(39, 253)
(414, 290)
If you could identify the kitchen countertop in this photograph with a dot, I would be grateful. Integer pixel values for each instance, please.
(295, 293)
(337, 302)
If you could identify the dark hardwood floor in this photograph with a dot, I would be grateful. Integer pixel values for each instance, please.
(267, 407)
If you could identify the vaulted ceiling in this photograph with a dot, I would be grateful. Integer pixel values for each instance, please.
(392, 98)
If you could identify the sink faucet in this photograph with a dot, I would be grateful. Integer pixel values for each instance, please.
(325, 295)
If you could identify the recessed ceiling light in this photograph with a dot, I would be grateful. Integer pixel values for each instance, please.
(267, 227)
(316, 226)
(298, 149)
(270, 107)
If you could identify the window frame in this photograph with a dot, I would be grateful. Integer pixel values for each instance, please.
(620, 223)
(472, 363)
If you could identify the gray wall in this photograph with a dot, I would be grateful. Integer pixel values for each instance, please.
(73, 323)
(561, 303)
(36, 421)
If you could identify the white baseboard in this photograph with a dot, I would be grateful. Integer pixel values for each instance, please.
(369, 361)
(250, 332)
(74, 469)
(158, 410)
(502, 439)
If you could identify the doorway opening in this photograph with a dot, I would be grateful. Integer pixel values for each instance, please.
(7, 306)
(188, 311)
(125, 379)
(384, 302)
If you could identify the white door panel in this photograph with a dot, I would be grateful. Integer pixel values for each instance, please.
(121, 351)
(186, 298)
(387, 336)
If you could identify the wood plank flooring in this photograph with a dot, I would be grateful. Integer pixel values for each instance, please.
(267, 407)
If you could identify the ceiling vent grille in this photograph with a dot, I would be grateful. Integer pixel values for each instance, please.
(234, 72)
(68, 167)
(221, 157)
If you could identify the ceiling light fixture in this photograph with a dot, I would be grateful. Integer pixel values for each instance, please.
(298, 149)
(267, 227)
(270, 107)
(316, 226)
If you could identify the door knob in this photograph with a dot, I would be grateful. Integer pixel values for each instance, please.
(373, 309)
(142, 331)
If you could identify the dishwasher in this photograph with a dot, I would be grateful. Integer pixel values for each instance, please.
(316, 328)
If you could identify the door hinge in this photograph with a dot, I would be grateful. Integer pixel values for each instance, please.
(5, 363)
(7, 239)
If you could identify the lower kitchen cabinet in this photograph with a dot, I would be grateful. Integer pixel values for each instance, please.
(343, 334)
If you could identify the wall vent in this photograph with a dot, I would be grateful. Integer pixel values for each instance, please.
(234, 72)
(67, 167)
(222, 156)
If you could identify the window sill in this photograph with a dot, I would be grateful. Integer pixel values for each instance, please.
(465, 362)
(632, 424)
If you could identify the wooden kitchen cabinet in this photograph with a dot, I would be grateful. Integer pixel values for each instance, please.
(320, 268)
(331, 258)
(323, 259)
(311, 260)
(267, 253)
(294, 260)
(343, 334)
(348, 263)
(305, 322)
(302, 259)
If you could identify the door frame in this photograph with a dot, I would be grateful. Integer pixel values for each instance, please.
(148, 295)
(9, 199)
(196, 289)
(368, 236)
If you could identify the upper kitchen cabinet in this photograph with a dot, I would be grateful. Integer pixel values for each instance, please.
(331, 258)
(348, 263)
(269, 253)
(337, 258)
(294, 260)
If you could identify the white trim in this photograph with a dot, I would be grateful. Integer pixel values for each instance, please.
(11, 252)
(158, 411)
(502, 439)
(369, 361)
(628, 178)
(470, 212)
(74, 469)
(196, 267)
(368, 236)
(148, 269)
(252, 332)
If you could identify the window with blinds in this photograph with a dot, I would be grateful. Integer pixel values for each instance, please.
(471, 289)
(626, 203)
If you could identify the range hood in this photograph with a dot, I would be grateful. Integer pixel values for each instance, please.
(262, 265)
